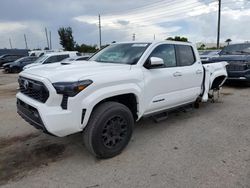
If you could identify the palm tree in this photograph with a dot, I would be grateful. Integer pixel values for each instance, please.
(228, 41)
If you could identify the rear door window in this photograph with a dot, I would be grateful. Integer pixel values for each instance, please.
(185, 55)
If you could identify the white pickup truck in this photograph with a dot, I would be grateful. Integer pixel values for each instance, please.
(119, 85)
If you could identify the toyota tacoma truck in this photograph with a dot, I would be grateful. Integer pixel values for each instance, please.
(119, 85)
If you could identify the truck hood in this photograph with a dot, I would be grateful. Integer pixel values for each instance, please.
(59, 72)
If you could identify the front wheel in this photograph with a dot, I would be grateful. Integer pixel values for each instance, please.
(109, 130)
(13, 70)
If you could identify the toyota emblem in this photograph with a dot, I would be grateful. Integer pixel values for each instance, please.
(26, 84)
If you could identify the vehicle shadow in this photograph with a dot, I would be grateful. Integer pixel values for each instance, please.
(237, 84)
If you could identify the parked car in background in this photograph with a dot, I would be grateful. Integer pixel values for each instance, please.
(76, 58)
(37, 53)
(52, 57)
(8, 58)
(17, 66)
(238, 57)
(40, 53)
(205, 55)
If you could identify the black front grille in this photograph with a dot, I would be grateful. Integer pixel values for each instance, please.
(34, 89)
(30, 114)
(236, 67)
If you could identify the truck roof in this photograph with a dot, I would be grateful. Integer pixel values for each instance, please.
(157, 42)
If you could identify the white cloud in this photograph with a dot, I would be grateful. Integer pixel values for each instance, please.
(15, 31)
(6, 27)
(196, 19)
(146, 21)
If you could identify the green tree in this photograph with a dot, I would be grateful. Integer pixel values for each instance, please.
(66, 38)
(228, 41)
(86, 48)
(202, 47)
(178, 38)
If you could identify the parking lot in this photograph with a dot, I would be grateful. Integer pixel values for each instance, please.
(205, 147)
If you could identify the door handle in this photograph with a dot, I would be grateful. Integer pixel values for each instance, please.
(198, 71)
(176, 74)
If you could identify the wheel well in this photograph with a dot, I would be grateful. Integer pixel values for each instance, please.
(217, 82)
(128, 100)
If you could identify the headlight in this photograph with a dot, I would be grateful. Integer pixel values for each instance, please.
(71, 88)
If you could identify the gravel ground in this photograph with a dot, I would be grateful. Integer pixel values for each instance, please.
(206, 147)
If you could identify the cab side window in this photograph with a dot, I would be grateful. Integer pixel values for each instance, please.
(167, 53)
(185, 55)
(51, 59)
(62, 57)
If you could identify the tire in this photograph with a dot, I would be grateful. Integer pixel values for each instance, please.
(14, 70)
(109, 130)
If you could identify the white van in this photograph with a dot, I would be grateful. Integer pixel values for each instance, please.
(52, 57)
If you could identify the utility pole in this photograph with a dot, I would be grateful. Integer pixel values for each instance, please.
(46, 33)
(25, 40)
(50, 43)
(154, 36)
(218, 27)
(10, 43)
(100, 32)
(133, 37)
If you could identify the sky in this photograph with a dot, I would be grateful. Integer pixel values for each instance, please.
(147, 19)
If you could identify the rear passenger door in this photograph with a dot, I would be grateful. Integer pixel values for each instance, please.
(191, 73)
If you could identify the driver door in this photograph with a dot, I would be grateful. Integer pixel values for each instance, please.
(163, 85)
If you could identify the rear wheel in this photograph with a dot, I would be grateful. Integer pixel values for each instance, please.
(109, 130)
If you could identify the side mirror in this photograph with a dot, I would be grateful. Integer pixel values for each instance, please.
(154, 62)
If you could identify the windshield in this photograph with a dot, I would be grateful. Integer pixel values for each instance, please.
(126, 53)
(41, 59)
(236, 49)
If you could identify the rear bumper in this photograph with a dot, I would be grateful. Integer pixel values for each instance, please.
(239, 75)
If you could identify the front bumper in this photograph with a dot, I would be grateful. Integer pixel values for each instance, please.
(51, 119)
(49, 116)
(239, 75)
(31, 115)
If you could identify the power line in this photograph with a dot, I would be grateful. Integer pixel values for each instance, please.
(176, 11)
(167, 16)
(158, 5)
(161, 8)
